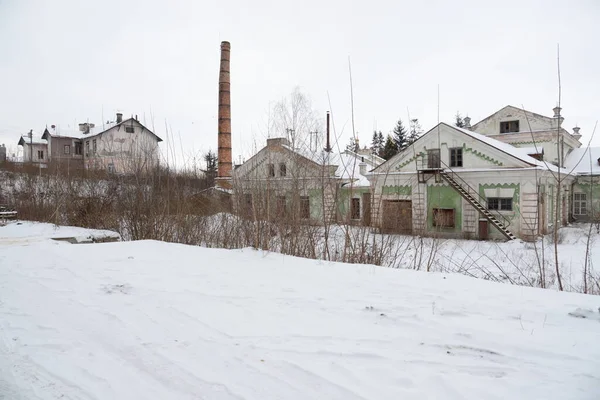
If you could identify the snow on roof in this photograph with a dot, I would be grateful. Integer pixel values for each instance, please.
(533, 150)
(96, 130)
(578, 161)
(77, 134)
(27, 140)
(519, 153)
(348, 163)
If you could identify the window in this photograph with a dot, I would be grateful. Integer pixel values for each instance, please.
(355, 209)
(94, 146)
(271, 170)
(433, 158)
(282, 169)
(500, 203)
(129, 129)
(509, 126)
(443, 217)
(78, 148)
(87, 147)
(304, 207)
(67, 149)
(280, 207)
(40, 154)
(111, 168)
(456, 157)
(579, 204)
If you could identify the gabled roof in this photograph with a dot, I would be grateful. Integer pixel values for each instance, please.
(347, 163)
(25, 139)
(584, 161)
(515, 152)
(516, 109)
(518, 153)
(95, 131)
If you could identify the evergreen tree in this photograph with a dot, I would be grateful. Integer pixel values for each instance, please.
(211, 163)
(353, 145)
(459, 120)
(390, 149)
(400, 136)
(377, 142)
(415, 130)
(381, 141)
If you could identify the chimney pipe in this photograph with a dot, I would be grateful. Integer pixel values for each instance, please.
(119, 118)
(224, 151)
(328, 145)
(576, 130)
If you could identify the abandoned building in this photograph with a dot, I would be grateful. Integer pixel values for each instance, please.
(120, 146)
(282, 182)
(453, 182)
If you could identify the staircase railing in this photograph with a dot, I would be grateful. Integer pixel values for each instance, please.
(475, 194)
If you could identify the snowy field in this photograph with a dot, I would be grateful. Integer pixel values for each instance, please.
(153, 320)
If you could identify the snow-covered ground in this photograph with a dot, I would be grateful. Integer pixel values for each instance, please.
(153, 320)
(25, 232)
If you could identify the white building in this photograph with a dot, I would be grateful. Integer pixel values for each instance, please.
(121, 146)
(540, 135)
(453, 182)
(314, 186)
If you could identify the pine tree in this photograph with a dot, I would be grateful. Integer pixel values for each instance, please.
(389, 150)
(377, 143)
(415, 131)
(353, 145)
(211, 162)
(400, 136)
(381, 141)
(459, 120)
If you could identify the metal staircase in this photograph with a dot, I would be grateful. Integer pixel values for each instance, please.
(473, 197)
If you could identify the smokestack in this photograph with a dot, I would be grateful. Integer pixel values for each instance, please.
(328, 145)
(119, 118)
(224, 152)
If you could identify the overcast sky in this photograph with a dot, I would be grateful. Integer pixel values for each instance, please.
(63, 62)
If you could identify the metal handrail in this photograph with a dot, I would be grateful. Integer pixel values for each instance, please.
(505, 221)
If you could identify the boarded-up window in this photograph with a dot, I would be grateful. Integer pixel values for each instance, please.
(281, 207)
(580, 204)
(433, 158)
(282, 169)
(271, 170)
(304, 207)
(355, 209)
(129, 129)
(509, 126)
(443, 217)
(67, 149)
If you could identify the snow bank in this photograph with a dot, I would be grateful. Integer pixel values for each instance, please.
(28, 231)
(152, 320)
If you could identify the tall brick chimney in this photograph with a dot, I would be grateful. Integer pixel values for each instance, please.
(224, 153)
